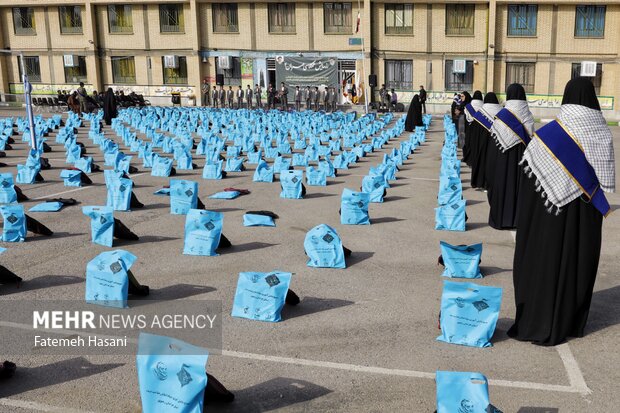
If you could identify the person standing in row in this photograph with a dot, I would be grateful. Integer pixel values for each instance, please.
(383, 94)
(326, 97)
(283, 96)
(270, 97)
(470, 124)
(308, 97)
(333, 99)
(298, 96)
(248, 96)
(479, 140)
(230, 97)
(422, 95)
(205, 90)
(258, 95)
(109, 107)
(240, 96)
(568, 166)
(82, 94)
(222, 96)
(215, 97)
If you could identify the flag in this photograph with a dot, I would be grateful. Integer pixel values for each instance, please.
(357, 26)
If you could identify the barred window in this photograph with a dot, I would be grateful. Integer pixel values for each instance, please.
(76, 74)
(33, 70)
(23, 21)
(225, 17)
(176, 75)
(124, 69)
(171, 18)
(337, 18)
(590, 21)
(70, 19)
(399, 74)
(459, 81)
(522, 73)
(596, 80)
(522, 19)
(120, 19)
(460, 19)
(399, 19)
(282, 18)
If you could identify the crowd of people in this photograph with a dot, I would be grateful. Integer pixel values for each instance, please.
(79, 101)
(389, 99)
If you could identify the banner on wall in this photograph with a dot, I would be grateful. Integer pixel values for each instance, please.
(260, 73)
(302, 71)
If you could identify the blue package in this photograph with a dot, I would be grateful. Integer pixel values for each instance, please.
(171, 374)
(7, 189)
(162, 166)
(290, 181)
(315, 176)
(450, 217)
(281, 164)
(119, 194)
(184, 161)
(203, 230)
(461, 261)
(52, 206)
(183, 196)
(255, 157)
(323, 247)
(478, 305)
(462, 392)
(14, 227)
(101, 224)
(123, 162)
(107, 282)
(213, 170)
(71, 177)
(26, 174)
(263, 172)
(354, 208)
(374, 185)
(260, 296)
(234, 164)
(258, 220)
(225, 195)
(299, 160)
(84, 164)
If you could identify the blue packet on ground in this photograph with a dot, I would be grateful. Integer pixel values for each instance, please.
(107, 281)
(450, 217)
(183, 196)
(71, 177)
(260, 296)
(52, 206)
(315, 176)
(461, 392)
(225, 195)
(101, 224)
(263, 172)
(323, 247)
(203, 230)
(7, 189)
(461, 261)
(14, 226)
(290, 182)
(354, 208)
(258, 220)
(119, 194)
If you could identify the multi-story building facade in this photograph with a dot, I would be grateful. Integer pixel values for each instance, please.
(155, 47)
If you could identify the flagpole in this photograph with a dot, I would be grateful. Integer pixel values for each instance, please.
(359, 11)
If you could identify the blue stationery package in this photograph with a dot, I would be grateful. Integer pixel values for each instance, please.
(260, 296)
(290, 181)
(462, 392)
(328, 167)
(73, 153)
(162, 191)
(101, 224)
(7, 189)
(263, 172)
(324, 248)
(71, 177)
(233, 151)
(213, 170)
(162, 166)
(119, 194)
(47, 207)
(461, 261)
(478, 305)
(315, 176)
(354, 208)
(271, 153)
(340, 162)
(26, 174)
(123, 162)
(84, 164)
(203, 230)
(14, 227)
(281, 164)
(225, 195)
(448, 196)
(450, 217)
(374, 185)
(110, 158)
(234, 164)
(171, 374)
(300, 159)
(184, 161)
(258, 220)
(107, 282)
(183, 196)
(254, 157)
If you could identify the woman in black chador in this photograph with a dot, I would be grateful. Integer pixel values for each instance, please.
(414, 114)
(479, 138)
(470, 110)
(109, 107)
(511, 132)
(558, 224)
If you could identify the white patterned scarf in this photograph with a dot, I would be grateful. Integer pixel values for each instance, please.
(505, 137)
(489, 110)
(590, 129)
(476, 104)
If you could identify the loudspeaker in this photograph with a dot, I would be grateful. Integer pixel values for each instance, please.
(219, 79)
(372, 80)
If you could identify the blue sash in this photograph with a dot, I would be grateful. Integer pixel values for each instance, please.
(472, 111)
(565, 149)
(509, 119)
(483, 120)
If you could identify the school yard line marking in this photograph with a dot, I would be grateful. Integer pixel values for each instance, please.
(576, 380)
(40, 407)
(75, 190)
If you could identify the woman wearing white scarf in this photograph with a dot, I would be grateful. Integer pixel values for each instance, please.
(569, 164)
(511, 131)
(480, 138)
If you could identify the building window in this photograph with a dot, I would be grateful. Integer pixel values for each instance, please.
(225, 18)
(70, 19)
(175, 75)
(76, 74)
(522, 73)
(459, 81)
(119, 19)
(282, 18)
(590, 21)
(337, 18)
(460, 19)
(171, 18)
(123, 70)
(230, 68)
(398, 74)
(522, 19)
(399, 19)
(33, 70)
(596, 80)
(23, 21)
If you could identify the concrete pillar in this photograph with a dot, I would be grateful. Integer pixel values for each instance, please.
(491, 41)
(93, 63)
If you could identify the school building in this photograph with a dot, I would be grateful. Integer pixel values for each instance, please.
(156, 47)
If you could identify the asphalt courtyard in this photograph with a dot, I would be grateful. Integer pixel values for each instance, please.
(361, 340)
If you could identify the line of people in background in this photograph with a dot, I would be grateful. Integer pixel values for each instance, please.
(311, 98)
(79, 101)
(389, 99)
